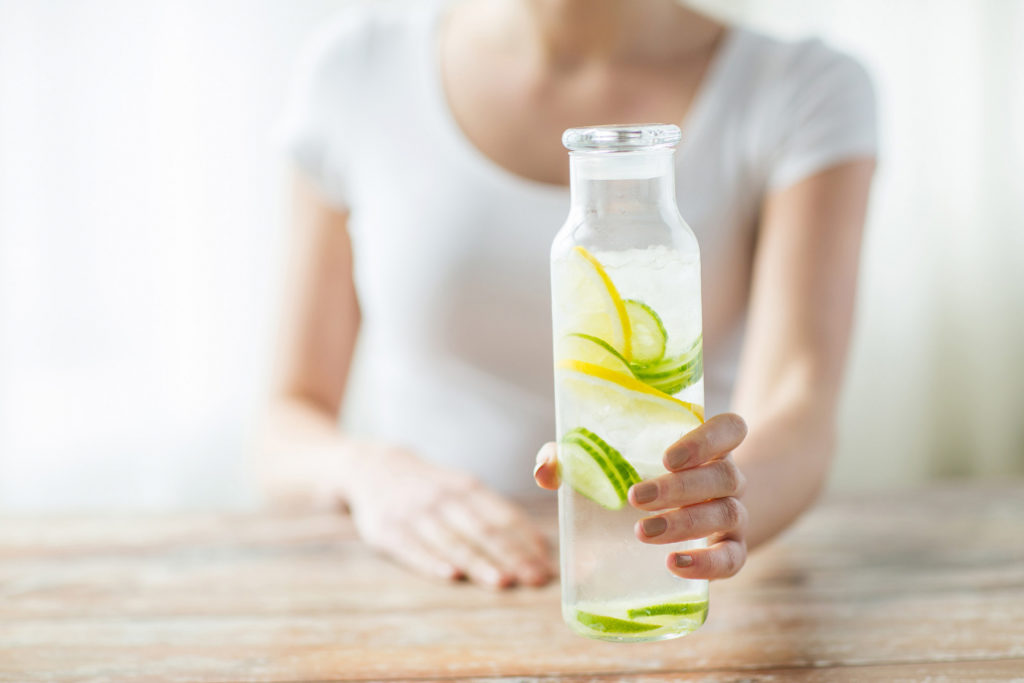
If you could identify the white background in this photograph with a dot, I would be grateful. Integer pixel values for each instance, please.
(142, 226)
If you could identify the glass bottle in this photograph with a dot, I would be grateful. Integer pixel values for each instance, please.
(626, 309)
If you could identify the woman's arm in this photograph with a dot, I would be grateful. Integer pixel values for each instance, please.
(740, 485)
(798, 331)
(434, 520)
(304, 456)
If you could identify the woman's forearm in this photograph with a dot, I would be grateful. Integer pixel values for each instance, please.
(785, 459)
(302, 456)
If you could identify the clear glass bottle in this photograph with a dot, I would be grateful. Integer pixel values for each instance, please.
(625, 272)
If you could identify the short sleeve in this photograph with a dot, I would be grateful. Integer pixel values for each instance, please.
(312, 128)
(828, 117)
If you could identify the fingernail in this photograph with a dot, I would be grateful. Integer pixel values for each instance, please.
(645, 492)
(683, 560)
(653, 526)
(677, 458)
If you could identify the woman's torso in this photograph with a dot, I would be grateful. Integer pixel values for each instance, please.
(451, 248)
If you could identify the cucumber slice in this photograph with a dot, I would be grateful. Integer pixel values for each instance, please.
(679, 608)
(627, 473)
(673, 374)
(595, 470)
(666, 367)
(599, 622)
(676, 381)
(590, 349)
(648, 332)
(590, 474)
(673, 364)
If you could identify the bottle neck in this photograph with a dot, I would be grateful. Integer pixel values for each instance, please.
(641, 182)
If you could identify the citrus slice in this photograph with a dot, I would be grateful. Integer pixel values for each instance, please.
(604, 624)
(673, 374)
(599, 310)
(674, 609)
(627, 393)
(648, 335)
(596, 470)
(590, 349)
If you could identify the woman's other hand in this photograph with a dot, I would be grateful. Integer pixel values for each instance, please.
(444, 523)
(698, 497)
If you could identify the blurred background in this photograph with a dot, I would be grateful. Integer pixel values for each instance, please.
(143, 238)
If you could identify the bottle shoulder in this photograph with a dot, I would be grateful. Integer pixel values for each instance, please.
(624, 233)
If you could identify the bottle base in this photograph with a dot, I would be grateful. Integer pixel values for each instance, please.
(649, 637)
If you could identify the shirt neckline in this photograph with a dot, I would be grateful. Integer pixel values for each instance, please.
(700, 108)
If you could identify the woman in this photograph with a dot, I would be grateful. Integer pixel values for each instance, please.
(431, 182)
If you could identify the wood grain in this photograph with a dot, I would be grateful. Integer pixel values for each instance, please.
(885, 587)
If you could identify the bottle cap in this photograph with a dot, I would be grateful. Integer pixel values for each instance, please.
(622, 137)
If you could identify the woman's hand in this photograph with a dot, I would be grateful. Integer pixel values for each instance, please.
(698, 497)
(444, 523)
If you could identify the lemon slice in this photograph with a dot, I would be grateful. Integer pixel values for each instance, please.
(648, 335)
(605, 624)
(599, 310)
(590, 349)
(627, 393)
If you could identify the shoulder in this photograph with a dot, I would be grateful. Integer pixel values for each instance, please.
(364, 34)
(798, 73)
(799, 106)
(798, 58)
(337, 81)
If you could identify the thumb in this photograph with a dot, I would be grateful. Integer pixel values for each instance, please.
(546, 471)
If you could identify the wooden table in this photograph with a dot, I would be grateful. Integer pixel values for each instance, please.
(882, 587)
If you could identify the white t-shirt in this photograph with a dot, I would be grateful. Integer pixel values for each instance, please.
(451, 250)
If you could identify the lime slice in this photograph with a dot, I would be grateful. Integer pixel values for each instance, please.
(596, 470)
(589, 349)
(671, 375)
(674, 609)
(648, 335)
(599, 622)
(626, 394)
(598, 310)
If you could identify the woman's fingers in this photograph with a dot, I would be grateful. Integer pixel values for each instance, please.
(692, 522)
(509, 548)
(718, 561)
(710, 441)
(498, 515)
(444, 542)
(702, 486)
(536, 545)
(715, 479)
(546, 471)
(522, 530)
(496, 512)
(410, 551)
